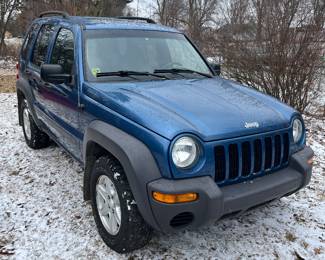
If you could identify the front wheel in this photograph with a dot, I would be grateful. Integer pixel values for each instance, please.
(116, 214)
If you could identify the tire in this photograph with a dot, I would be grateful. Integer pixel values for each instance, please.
(34, 137)
(133, 232)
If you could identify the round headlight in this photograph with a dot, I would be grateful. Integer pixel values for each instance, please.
(185, 152)
(297, 130)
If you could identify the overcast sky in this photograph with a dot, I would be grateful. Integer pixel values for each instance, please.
(144, 7)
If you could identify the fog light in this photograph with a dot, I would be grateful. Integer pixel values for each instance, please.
(174, 198)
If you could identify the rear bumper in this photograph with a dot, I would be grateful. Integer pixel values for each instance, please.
(215, 202)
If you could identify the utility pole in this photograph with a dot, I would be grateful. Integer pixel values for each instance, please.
(137, 7)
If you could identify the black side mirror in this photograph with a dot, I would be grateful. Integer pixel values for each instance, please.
(216, 68)
(53, 73)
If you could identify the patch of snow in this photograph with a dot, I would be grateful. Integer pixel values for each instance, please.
(42, 213)
(116, 175)
(15, 41)
(128, 204)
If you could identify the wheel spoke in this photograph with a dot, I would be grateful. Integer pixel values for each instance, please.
(116, 201)
(112, 222)
(112, 190)
(105, 209)
(102, 191)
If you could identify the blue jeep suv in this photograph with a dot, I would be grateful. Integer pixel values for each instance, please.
(165, 143)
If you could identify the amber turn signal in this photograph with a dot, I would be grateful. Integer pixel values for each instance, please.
(174, 198)
(310, 161)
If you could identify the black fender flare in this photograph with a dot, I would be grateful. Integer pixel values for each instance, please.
(136, 159)
(23, 90)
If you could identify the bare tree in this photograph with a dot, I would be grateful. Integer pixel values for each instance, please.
(102, 7)
(7, 10)
(277, 49)
(192, 16)
(32, 8)
(170, 12)
(200, 13)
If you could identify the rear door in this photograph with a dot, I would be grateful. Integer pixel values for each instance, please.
(39, 56)
(27, 47)
(23, 80)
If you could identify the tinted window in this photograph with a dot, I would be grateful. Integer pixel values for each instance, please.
(42, 44)
(28, 41)
(63, 53)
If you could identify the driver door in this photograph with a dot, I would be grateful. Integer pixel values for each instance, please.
(61, 100)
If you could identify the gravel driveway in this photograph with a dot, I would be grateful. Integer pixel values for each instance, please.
(42, 214)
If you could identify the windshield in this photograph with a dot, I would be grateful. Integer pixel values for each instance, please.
(140, 51)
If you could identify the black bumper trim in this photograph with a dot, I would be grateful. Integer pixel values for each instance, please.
(215, 202)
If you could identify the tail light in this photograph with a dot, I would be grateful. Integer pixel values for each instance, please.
(17, 68)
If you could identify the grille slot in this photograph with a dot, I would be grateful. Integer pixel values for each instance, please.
(257, 155)
(182, 219)
(277, 153)
(285, 148)
(233, 161)
(268, 153)
(244, 158)
(220, 162)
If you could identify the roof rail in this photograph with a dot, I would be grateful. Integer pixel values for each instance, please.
(148, 20)
(54, 13)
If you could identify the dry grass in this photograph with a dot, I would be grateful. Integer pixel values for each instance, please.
(290, 237)
(7, 83)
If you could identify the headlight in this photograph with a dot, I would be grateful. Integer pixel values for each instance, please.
(297, 130)
(185, 152)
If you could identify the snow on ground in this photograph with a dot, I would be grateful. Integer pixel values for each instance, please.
(14, 41)
(8, 64)
(42, 214)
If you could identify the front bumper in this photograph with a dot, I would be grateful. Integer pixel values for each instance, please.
(215, 202)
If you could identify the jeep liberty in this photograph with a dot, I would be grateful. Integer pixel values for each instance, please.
(165, 142)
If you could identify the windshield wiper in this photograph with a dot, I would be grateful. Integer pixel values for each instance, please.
(176, 71)
(128, 73)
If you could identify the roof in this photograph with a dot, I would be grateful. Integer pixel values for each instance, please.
(110, 23)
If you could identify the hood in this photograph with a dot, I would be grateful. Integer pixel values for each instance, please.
(212, 109)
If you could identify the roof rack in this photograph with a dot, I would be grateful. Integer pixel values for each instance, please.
(148, 20)
(54, 13)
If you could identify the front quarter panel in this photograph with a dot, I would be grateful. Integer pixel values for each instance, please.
(94, 110)
(137, 161)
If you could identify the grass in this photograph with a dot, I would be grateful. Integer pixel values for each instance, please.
(290, 237)
(7, 83)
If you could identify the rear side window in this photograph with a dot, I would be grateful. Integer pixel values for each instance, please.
(42, 44)
(28, 41)
(63, 51)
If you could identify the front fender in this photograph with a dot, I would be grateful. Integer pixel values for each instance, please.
(135, 157)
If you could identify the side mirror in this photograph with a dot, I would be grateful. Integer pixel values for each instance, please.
(53, 73)
(216, 68)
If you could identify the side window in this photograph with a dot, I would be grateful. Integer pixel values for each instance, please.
(28, 41)
(42, 44)
(63, 51)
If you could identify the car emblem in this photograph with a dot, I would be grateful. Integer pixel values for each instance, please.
(252, 125)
